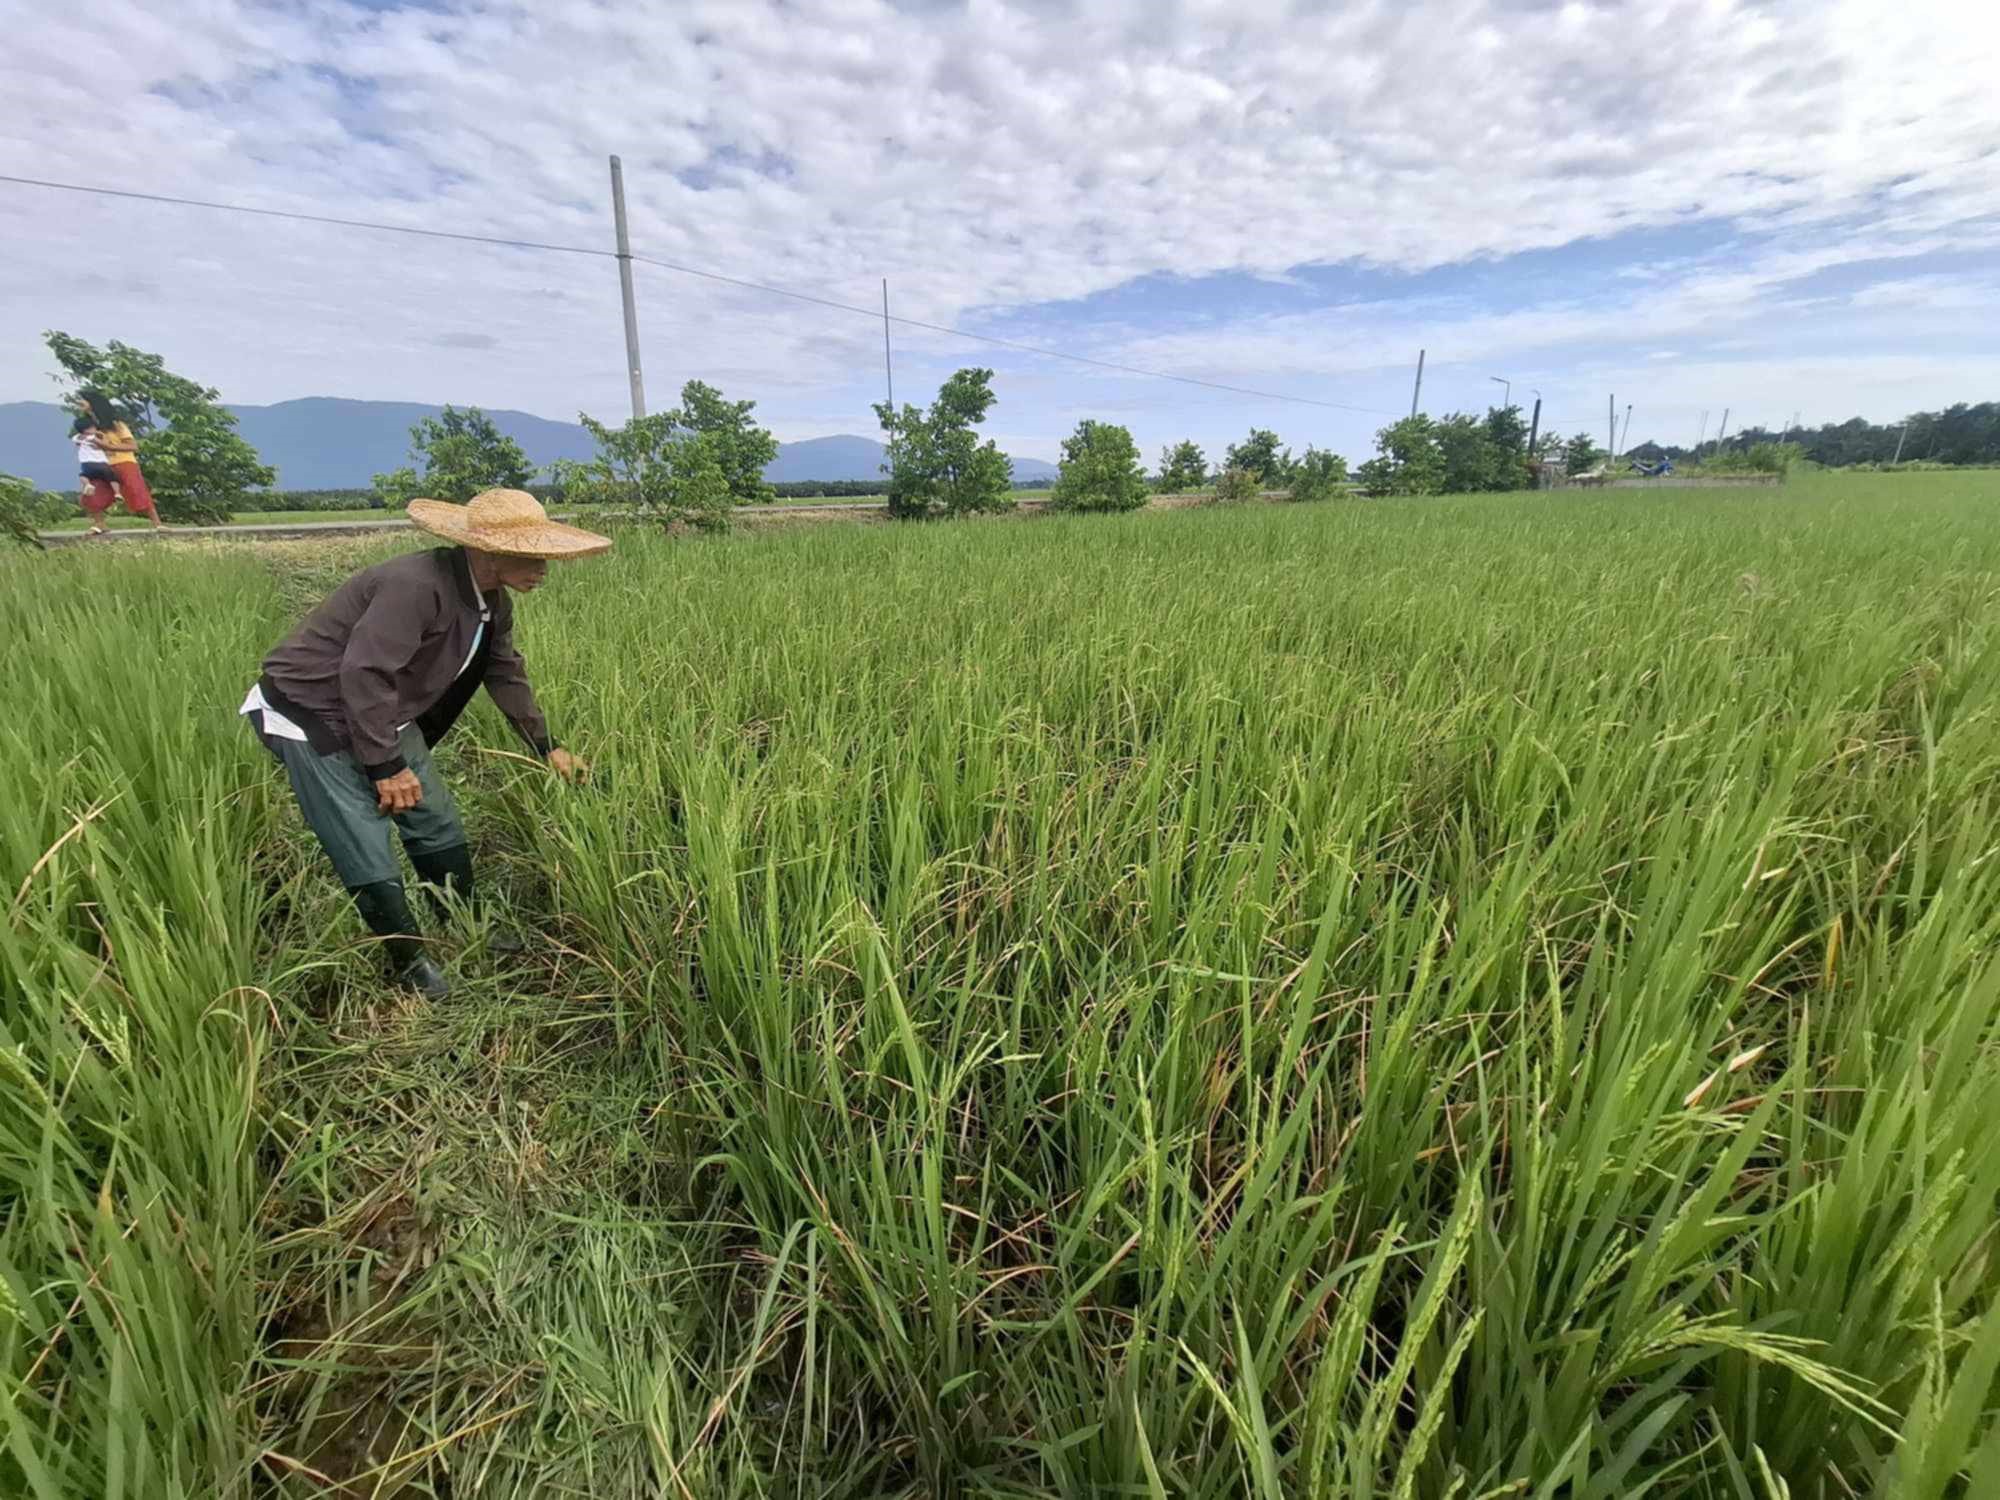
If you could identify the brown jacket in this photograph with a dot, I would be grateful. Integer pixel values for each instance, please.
(386, 649)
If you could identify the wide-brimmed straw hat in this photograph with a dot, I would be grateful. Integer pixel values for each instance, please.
(509, 522)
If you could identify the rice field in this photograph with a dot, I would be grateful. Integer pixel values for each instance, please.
(1479, 997)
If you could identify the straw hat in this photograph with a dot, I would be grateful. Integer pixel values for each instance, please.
(509, 522)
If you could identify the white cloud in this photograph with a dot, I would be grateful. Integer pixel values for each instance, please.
(983, 156)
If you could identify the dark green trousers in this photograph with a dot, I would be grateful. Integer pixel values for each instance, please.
(339, 804)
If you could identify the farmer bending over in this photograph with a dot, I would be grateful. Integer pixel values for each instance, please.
(353, 702)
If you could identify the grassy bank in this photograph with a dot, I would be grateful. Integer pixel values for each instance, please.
(1488, 996)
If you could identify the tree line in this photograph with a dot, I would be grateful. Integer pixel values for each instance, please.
(694, 464)
(1964, 434)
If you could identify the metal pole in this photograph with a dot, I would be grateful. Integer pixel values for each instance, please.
(1420, 383)
(1506, 389)
(625, 287)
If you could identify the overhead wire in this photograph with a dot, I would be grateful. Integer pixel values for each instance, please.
(873, 314)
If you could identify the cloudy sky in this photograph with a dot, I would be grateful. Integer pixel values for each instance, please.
(1694, 204)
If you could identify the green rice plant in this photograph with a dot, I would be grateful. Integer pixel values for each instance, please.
(1494, 997)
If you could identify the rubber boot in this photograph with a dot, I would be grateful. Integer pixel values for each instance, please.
(386, 910)
(449, 871)
(445, 873)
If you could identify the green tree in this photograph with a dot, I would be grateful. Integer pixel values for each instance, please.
(1507, 444)
(937, 465)
(1483, 453)
(1100, 470)
(1258, 455)
(1318, 475)
(1183, 468)
(656, 467)
(1409, 460)
(462, 454)
(1580, 454)
(739, 445)
(1467, 456)
(197, 465)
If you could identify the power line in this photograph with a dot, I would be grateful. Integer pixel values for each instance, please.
(285, 213)
(987, 338)
(685, 270)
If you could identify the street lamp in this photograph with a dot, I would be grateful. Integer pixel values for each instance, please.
(1506, 389)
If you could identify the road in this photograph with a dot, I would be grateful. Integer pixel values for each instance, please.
(304, 530)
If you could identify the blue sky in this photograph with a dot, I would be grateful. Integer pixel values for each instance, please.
(1690, 204)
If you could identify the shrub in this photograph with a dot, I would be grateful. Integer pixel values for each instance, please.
(1318, 475)
(462, 454)
(1100, 470)
(1763, 458)
(20, 511)
(1234, 485)
(655, 467)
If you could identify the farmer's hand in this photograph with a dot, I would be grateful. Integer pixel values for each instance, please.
(569, 767)
(398, 793)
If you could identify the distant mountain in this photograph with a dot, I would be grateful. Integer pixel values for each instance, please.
(326, 443)
(849, 457)
(827, 458)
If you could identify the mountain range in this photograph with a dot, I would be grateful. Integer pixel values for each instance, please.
(328, 443)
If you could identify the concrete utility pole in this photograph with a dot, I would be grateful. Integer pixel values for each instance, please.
(1535, 425)
(888, 369)
(1418, 392)
(1627, 433)
(625, 287)
(1611, 423)
(889, 372)
(1721, 433)
(1901, 433)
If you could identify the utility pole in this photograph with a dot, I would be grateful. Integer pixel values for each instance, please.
(888, 369)
(1535, 424)
(1506, 389)
(1627, 433)
(1900, 434)
(1722, 432)
(1611, 423)
(889, 372)
(1415, 394)
(1702, 434)
(625, 287)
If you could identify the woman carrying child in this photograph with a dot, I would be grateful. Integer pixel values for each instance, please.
(108, 456)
